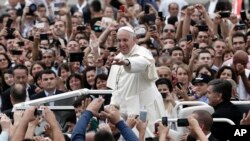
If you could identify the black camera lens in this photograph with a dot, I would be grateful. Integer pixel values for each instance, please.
(32, 8)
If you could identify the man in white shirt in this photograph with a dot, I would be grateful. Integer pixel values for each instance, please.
(132, 77)
(165, 5)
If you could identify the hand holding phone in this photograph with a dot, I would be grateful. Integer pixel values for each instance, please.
(39, 112)
(179, 85)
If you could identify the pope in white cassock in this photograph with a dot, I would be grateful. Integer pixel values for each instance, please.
(132, 77)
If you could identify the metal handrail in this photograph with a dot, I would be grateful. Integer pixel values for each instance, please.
(181, 103)
(61, 96)
(229, 121)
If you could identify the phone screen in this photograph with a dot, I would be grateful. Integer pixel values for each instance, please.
(9, 22)
(243, 15)
(202, 28)
(165, 121)
(189, 37)
(143, 116)
(225, 14)
(196, 45)
(21, 44)
(182, 122)
(146, 9)
(156, 127)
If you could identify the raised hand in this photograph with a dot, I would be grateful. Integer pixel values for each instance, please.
(5, 123)
(112, 114)
(94, 43)
(201, 8)
(189, 11)
(131, 121)
(95, 105)
(246, 119)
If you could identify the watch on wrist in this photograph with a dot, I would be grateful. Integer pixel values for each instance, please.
(196, 96)
(128, 62)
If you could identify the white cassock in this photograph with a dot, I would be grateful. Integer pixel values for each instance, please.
(134, 85)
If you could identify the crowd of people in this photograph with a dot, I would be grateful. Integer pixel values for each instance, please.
(151, 53)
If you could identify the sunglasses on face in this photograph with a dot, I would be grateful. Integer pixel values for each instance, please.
(169, 30)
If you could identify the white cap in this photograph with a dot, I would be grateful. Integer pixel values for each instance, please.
(127, 28)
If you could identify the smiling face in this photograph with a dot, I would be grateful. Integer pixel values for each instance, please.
(126, 41)
(91, 77)
(9, 79)
(3, 62)
(101, 84)
(75, 83)
(201, 88)
(226, 74)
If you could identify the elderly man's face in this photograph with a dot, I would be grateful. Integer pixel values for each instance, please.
(174, 9)
(125, 41)
(73, 46)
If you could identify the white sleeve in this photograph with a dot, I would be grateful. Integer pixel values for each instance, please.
(4, 136)
(137, 64)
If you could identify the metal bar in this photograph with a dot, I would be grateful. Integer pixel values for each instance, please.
(229, 121)
(178, 104)
(241, 102)
(50, 107)
(61, 96)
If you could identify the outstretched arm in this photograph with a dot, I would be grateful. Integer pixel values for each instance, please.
(133, 64)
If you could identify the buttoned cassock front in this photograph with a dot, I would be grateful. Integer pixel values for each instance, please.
(134, 85)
